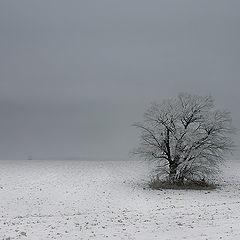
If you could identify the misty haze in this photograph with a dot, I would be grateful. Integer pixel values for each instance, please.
(75, 76)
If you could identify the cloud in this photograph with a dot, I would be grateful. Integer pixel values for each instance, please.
(75, 75)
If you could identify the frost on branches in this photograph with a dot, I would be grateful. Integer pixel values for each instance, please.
(187, 137)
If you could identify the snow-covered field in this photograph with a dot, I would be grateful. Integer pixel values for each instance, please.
(107, 200)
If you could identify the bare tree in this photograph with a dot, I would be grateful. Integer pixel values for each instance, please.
(186, 136)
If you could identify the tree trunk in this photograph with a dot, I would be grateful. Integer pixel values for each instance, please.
(174, 179)
(173, 172)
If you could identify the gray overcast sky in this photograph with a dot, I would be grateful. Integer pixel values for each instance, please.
(74, 75)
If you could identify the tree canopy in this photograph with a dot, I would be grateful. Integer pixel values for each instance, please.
(187, 137)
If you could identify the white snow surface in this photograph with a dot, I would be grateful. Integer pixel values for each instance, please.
(108, 200)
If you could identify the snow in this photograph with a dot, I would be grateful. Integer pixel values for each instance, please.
(108, 200)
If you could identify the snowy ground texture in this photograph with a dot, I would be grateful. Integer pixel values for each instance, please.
(106, 200)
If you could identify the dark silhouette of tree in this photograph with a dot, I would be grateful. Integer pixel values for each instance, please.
(186, 136)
